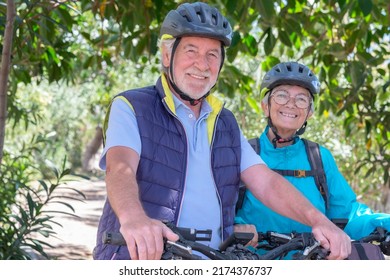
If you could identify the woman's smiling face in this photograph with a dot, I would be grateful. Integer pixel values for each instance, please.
(288, 118)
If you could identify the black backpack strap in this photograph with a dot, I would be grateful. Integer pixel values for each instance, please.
(296, 173)
(361, 252)
(241, 196)
(316, 165)
(254, 142)
(314, 156)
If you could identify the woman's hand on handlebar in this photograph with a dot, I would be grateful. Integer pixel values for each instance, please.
(248, 228)
(144, 238)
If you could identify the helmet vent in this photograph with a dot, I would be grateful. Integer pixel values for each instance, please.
(185, 15)
(225, 24)
(288, 68)
(201, 17)
(300, 69)
(214, 19)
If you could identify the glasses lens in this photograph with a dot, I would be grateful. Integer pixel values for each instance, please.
(282, 97)
(302, 101)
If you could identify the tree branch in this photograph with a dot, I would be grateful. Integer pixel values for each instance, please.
(4, 70)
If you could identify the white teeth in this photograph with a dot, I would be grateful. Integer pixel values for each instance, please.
(198, 77)
(289, 115)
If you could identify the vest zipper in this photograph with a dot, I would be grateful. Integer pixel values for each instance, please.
(178, 213)
(212, 174)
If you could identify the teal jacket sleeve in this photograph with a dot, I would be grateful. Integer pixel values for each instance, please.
(362, 221)
(341, 195)
(344, 204)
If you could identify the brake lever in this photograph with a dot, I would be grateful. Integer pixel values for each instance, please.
(180, 246)
(312, 248)
(309, 249)
(178, 250)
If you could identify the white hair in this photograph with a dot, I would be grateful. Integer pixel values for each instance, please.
(168, 45)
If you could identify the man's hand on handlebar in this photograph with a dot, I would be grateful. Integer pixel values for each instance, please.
(144, 238)
(339, 248)
(333, 239)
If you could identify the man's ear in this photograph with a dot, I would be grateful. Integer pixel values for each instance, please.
(264, 106)
(166, 57)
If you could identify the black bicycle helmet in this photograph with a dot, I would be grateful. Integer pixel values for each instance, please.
(197, 19)
(290, 73)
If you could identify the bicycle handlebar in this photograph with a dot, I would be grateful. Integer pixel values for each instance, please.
(379, 235)
(277, 245)
(232, 249)
(189, 242)
(172, 250)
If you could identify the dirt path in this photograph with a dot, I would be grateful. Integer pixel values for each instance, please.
(76, 238)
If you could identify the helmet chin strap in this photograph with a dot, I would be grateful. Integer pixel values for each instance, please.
(183, 95)
(278, 139)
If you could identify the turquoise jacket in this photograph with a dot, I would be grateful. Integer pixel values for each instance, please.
(342, 200)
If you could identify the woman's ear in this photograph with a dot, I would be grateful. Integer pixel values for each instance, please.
(310, 114)
(264, 106)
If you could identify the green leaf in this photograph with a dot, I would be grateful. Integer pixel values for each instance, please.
(368, 128)
(63, 14)
(65, 172)
(341, 3)
(253, 103)
(269, 42)
(338, 51)
(231, 6)
(61, 212)
(44, 185)
(251, 44)
(334, 71)
(68, 205)
(266, 9)
(365, 6)
(285, 38)
(356, 72)
(31, 205)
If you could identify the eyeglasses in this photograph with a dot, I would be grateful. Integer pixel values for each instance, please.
(282, 97)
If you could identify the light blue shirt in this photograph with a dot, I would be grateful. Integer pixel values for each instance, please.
(200, 206)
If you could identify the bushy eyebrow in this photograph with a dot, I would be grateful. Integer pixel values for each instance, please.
(196, 47)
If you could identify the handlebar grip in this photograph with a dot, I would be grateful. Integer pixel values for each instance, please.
(236, 238)
(282, 250)
(113, 238)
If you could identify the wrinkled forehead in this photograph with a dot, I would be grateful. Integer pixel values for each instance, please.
(201, 43)
(292, 89)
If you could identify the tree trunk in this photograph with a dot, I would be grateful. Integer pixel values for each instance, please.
(4, 70)
(92, 148)
(386, 198)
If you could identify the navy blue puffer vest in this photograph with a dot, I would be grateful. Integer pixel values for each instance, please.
(162, 167)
